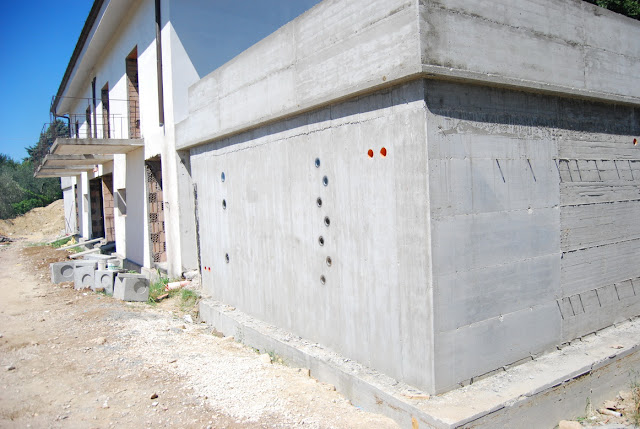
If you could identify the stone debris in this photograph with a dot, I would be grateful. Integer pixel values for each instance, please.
(569, 424)
(10, 368)
(154, 396)
(265, 358)
(187, 318)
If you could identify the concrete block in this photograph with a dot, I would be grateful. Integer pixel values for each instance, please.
(84, 274)
(131, 287)
(62, 271)
(104, 279)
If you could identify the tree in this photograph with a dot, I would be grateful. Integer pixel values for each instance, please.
(38, 151)
(630, 8)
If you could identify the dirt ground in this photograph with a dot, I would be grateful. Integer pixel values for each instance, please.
(78, 359)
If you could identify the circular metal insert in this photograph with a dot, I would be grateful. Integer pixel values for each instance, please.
(321, 241)
(325, 181)
(327, 221)
(317, 162)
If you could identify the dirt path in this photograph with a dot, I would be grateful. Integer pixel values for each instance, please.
(78, 359)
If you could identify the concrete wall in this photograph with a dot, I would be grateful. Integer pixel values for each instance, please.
(303, 64)
(571, 46)
(375, 304)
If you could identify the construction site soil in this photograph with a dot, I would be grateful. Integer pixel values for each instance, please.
(78, 359)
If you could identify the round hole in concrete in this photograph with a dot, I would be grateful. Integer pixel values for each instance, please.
(226, 258)
(327, 221)
(317, 162)
(321, 241)
(140, 287)
(86, 279)
(323, 279)
(222, 177)
(67, 271)
(328, 260)
(325, 181)
(224, 204)
(370, 153)
(383, 152)
(319, 202)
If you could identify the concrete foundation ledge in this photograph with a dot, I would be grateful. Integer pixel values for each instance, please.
(538, 393)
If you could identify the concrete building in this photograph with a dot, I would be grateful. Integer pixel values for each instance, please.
(435, 189)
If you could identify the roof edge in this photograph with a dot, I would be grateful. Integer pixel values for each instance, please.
(84, 35)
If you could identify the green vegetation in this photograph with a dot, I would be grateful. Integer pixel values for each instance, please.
(630, 8)
(188, 299)
(62, 242)
(19, 190)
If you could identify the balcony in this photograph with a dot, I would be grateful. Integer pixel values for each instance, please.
(92, 138)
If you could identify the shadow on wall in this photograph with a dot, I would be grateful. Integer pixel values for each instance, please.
(506, 106)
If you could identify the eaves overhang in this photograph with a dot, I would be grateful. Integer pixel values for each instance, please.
(93, 147)
(100, 27)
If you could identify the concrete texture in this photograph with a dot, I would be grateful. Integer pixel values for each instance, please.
(84, 274)
(537, 393)
(435, 204)
(131, 287)
(104, 280)
(62, 271)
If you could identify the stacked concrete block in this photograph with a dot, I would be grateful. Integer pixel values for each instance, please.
(131, 287)
(84, 274)
(62, 271)
(104, 280)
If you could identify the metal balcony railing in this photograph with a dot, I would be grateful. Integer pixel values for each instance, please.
(109, 119)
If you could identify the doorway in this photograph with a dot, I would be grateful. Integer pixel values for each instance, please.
(97, 211)
(109, 209)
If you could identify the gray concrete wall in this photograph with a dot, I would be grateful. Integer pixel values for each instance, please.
(375, 305)
(514, 239)
(305, 63)
(571, 47)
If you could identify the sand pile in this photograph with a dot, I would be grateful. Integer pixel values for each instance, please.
(37, 224)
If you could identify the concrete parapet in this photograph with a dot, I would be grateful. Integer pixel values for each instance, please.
(104, 280)
(84, 274)
(131, 287)
(62, 271)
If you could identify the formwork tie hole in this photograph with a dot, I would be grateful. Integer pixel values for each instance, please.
(327, 221)
(383, 152)
(224, 204)
(321, 241)
(328, 260)
(226, 258)
(325, 181)
(317, 162)
(323, 279)
(319, 202)
(222, 177)
(370, 153)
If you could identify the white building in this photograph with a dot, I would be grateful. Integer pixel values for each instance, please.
(123, 91)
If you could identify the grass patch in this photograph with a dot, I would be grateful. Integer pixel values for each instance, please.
(62, 242)
(188, 299)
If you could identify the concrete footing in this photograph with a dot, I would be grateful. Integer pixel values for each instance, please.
(84, 274)
(62, 271)
(131, 287)
(537, 393)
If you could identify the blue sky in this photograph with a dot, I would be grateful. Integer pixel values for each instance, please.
(37, 39)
